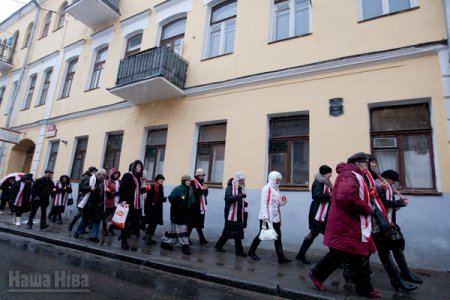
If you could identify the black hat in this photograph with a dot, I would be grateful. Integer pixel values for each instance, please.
(159, 176)
(358, 157)
(325, 170)
(390, 174)
(92, 169)
(27, 176)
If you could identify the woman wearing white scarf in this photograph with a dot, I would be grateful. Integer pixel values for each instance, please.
(269, 212)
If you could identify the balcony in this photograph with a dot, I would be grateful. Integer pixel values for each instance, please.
(6, 58)
(94, 13)
(151, 75)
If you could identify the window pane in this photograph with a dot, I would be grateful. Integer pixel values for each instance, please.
(300, 163)
(301, 17)
(149, 161)
(214, 41)
(101, 55)
(213, 133)
(223, 12)
(417, 162)
(282, 21)
(230, 28)
(134, 43)
(290, 127)
(160, 162)
(386, 159)
(218, 162)
(278, 163)
(113, 150)
(396, 5)
(401, 118)
(174, 28)
(157, 137)
(372, 8)
(203, 161)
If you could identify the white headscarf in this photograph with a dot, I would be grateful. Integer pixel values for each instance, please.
(273, 179)
(239, 176)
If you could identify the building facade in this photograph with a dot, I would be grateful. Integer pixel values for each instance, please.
(252, 86)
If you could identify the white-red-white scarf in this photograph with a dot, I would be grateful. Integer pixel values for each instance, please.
(323, 207)
(19, 197)
(116, 198)
(389, 197)
(199, 186)
(59, 199)
(232, 214)
(137, 193)
(366, 223)
(378, 201)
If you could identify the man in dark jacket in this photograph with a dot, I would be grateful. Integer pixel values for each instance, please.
(40, 194)
(348, 233)
(6, 197)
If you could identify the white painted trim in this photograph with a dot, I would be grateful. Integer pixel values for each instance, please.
(385, 8)
(317, 69)
(171, 8)
(137, 22)
(167, 21)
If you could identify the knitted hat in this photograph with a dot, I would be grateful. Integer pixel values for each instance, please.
(358, 157)
(199, 172)
(159, 176)
(239, 176)
(185, 177)
(325, 170)
(101, 172)
(390, 174)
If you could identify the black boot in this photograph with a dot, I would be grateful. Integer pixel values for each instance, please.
(405, 273)
(186, 249)
(303, 249)
(201, 237)
(281, 258)
(252, 250)
(124, 243)
(396, 281)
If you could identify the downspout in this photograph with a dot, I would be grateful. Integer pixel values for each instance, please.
(445, 66)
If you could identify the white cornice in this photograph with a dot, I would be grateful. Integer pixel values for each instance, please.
(318, 68)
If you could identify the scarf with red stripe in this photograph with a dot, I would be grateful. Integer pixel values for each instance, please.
(199, 186)
(137, 193)
(323, 208)
(389, 197)
(61, 200)
(19, 197)
(376, 198)
(232, 214)
(366, 223)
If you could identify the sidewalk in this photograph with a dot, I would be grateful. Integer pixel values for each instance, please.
(265, 276)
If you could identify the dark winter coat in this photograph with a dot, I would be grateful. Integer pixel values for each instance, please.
(318, 196)
(6, 188)
(26, 196)
(234, 229)
(93, 210)
(198, 220)
(344, 227)
(179, 205)
(128, 185)
(154, 204)
(42, 188)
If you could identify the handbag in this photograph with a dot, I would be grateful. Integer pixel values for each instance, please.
(267, 232)
(69, 201)
(383, 222)
(120, 215)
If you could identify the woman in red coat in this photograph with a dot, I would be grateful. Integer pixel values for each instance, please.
(348, 233)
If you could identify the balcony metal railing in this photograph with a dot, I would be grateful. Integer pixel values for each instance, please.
(154, 62)
(6, 54)
(114, 4)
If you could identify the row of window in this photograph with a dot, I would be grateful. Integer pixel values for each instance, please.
(401, 140)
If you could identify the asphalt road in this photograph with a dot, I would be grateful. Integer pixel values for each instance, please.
(33, 270)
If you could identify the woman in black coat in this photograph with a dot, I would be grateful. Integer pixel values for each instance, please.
(321, 194)
(154, 208)
(198, 209)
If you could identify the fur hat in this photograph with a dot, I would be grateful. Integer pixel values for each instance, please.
(239, 176)
(199, 172)
(358, 157)
(185, 177)
(101, 172)
(325, 170)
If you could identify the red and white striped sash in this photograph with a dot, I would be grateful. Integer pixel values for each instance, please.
(232, 214)
(389, 197)
(378, 201)
(323, 208)
(18, 201)
(199, 186)
(59, 199)
(137, 193)
(366, 223)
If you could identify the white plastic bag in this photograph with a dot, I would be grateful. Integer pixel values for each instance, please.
(120, 215)
(267, 232)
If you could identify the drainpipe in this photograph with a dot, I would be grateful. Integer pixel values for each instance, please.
(445, 65)
(9, 118)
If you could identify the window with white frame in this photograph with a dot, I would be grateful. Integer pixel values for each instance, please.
(113, 150)
(78, 158)
(45, 87)
(172, 35)
(133, 45)
(26, 41)
(70, 74)
(222, 29)
(375, 8)
(155, 152)
(11, 96)
(30, 92)
(54, 146)
(290, 18)
(99, 65)
(61, 15)
(46, 24)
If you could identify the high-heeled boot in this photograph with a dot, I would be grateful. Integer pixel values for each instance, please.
(396, 281)
(281, 257)
(405, 273)
(303, 249)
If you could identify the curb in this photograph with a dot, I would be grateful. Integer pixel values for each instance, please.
(275, 290)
